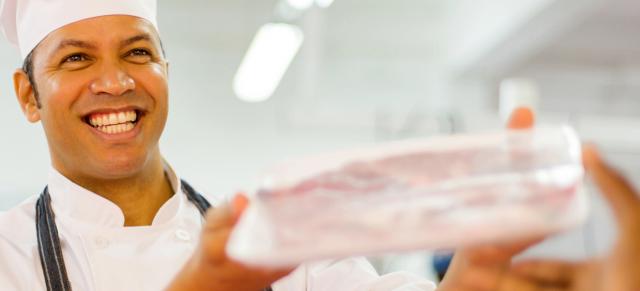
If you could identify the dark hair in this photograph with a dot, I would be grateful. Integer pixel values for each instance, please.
(27, 67)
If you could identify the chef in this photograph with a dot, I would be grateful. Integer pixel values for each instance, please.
(113, 214)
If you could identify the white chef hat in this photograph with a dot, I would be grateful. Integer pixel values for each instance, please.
(27, 22)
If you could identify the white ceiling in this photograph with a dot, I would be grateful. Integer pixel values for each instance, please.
(608, 37)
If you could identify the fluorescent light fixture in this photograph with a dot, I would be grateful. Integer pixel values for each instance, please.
(300, 4)
(268, 58)
(324, 3)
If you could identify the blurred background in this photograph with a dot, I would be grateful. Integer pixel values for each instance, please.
(349, 73)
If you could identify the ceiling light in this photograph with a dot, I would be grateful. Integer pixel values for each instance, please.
(268, 58)
(324, 3)
(300, 4)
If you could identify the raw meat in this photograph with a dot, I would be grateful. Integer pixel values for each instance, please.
(417, 197)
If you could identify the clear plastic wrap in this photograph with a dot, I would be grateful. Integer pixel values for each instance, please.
(438, 193)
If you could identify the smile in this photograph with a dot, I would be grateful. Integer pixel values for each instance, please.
(116, 122)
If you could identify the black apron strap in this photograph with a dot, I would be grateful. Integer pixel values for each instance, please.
(55, 273)
(196, 198)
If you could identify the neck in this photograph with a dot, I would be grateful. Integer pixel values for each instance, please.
(139, 196)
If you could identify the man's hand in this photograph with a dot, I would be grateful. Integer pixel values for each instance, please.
(485, 268)
(210, 268)
(616, 271)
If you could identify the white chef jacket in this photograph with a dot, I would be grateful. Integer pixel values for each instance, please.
(101, 254)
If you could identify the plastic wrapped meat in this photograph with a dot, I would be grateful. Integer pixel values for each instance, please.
(430, 194)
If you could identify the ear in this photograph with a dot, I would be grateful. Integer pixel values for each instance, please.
(166, 67)
(26, 96)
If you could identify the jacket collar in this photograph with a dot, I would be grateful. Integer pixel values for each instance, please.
(80, 205)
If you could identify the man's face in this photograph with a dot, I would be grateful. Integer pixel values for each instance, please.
(102, 84)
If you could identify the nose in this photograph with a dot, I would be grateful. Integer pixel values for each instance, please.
(112, 80)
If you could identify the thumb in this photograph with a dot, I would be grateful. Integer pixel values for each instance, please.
(615, 188)
(226, 215)
(498, 253)
(219, 218)
(239, 203)
(521, 118)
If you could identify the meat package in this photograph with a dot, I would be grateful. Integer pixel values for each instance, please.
(437, 193)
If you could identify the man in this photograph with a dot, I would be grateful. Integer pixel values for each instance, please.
(114, 215)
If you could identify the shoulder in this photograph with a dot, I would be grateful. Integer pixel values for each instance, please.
(17, 225)
(18, 246)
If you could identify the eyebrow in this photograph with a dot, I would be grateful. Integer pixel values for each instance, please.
(74, 43)
(133, 39)
(87, 45)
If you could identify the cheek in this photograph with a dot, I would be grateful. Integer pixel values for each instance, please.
(153, 80)
(58, 94)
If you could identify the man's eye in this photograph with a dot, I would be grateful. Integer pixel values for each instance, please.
(75, 58)
(139, 56)
(139, 52)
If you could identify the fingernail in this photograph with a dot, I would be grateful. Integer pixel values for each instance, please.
(521, 118)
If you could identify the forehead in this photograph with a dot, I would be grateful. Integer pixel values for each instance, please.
(101, 31)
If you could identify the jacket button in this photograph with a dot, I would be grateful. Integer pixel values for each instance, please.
(101, 242)
(183, 235)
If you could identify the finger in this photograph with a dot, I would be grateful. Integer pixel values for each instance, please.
(240, 202)
(483, 278)
(521, 118)
(219, 217)
(219, 223)
(277, 273)
(260, 274)
(215, 245)
(515, 283)
(270, 276)
(617, 191)
(518, 246)
(501, 253)
(549, 272)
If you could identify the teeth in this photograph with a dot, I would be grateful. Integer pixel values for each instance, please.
(102, 120)
(115, 122)
(117, 128)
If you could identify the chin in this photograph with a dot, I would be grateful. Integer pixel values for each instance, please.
(121, 167)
